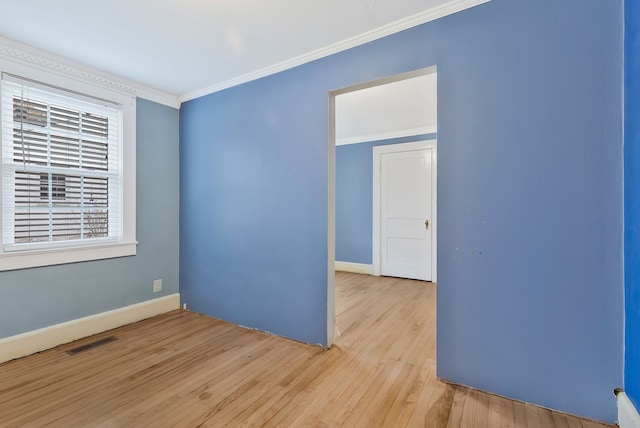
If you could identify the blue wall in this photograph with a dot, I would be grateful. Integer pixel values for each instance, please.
(530, 175)
(40, 297)
(253, 215)
(354, 198)
(632, 200)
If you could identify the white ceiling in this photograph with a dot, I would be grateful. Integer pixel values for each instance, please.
(191, 47)
(397, 109)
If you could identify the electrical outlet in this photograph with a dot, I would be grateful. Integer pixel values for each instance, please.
(157, 285)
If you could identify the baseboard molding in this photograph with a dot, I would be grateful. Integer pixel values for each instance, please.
(354, 267)
(31, 342)
(628, 416)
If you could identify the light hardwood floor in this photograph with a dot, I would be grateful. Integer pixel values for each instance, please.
(187, 370)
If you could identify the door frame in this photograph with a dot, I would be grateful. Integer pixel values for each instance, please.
(331, 172)
(378, 151)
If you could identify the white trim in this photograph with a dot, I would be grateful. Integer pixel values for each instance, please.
(45, 338)
(423, 130)
(21, 54)
(50, 257)
(628, 416)
(394, 148)
(354, 267)
(428, 15)
(331, 223)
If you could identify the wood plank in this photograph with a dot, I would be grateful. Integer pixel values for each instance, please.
(520, 415)
(456, 413)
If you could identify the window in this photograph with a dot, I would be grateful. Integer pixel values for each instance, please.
(64, 184)
(57, 186)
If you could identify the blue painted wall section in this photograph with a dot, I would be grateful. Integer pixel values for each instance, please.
(530, 173)
(253, 230)
(36, 298)
(354, 198)
(632, 201)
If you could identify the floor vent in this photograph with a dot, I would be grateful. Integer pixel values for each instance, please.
(91, 345)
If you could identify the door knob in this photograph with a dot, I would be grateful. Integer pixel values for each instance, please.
(426, 224)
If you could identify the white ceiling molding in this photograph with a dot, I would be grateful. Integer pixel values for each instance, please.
(11, 50)
(428, 15)
(387, 135)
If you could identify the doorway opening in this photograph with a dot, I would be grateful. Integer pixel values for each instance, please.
(397, 114)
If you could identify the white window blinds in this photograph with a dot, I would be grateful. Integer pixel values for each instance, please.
(61, 167)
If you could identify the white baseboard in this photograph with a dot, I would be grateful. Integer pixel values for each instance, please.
(45, 338)
(354, 267)
(628, 416)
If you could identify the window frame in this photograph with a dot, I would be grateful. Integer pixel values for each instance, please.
(81, 251)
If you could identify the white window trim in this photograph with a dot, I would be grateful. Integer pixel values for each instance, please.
(127, 246)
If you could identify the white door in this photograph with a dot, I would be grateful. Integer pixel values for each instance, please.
(407, 213)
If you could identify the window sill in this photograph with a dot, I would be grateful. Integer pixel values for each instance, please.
(24, 260)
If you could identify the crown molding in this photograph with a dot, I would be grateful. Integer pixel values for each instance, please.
(381, 136)
(428, 15)
(13, 51)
